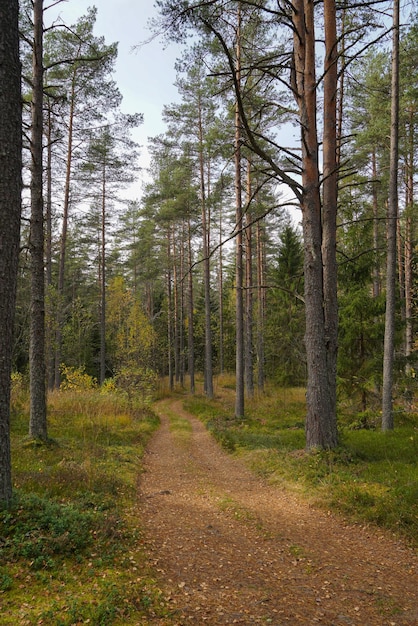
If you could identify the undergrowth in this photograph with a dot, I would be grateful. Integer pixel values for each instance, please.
(372, 477)
(70, 543)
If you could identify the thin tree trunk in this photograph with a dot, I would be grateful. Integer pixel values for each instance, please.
(409, 244)
(239, 272)
(389, 342)
(38, 419)
(208, 384)
(376, 264)
(48, 207)
(249, 361)
(10, 207)
(409, 247)
(63, 241)
(169, 315)
(191, 316)
(260, 308)
(221, 298)
(176, 311)
(103, 283)
(50, 326)
(181, 316)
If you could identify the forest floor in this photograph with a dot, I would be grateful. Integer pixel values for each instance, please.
(230, 549)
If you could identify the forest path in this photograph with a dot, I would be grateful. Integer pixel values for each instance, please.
(230, 549)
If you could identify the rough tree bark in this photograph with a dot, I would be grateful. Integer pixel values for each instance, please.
(38, 418)
(10, 206)
(329, 208)
(321, 430)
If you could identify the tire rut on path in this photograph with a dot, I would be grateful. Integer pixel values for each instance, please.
(230, 549)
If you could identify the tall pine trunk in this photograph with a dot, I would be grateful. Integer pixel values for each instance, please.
(392, 218)
(38, 419)
(190, 328)
(102, 281)
(169, 314)
(329, 209)
(239, 270)
(208, 382)
(221, 297)
(63, 240)
(321, 430)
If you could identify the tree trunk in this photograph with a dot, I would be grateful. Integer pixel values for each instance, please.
(10, 206)
(376, 264)
(249, 361)
(181, 312)
(261, 308)
(190, 330)
(389, 342)
(239, 272)
(221, 297)
(321, 428)
(50, 316)
(329, 210)
(63, 241)
(38, 419)
(409, 244)
(208, 384)
(169, 315)
(409, 331)
(102, 280)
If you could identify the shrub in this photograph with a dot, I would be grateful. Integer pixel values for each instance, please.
(76, 379)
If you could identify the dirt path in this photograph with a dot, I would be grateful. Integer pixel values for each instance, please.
(229, 549)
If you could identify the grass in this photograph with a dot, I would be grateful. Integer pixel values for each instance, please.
(372, 477)
(70, 544)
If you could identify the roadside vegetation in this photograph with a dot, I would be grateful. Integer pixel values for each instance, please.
(371, 477)
(70, 544)
(71, 549)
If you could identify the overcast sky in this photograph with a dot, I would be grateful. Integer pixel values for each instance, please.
(144, 75)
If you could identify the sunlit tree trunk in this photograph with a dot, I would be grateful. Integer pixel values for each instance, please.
(392, 217)
(329, 209)
(321, 430)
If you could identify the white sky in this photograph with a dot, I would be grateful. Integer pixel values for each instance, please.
(145, 76)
